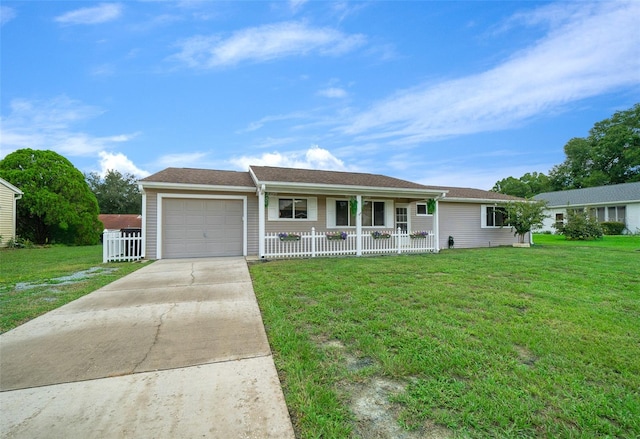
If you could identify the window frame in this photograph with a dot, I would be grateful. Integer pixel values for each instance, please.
(273, 210)
(484, 216)
(387, 213)
(426, 210)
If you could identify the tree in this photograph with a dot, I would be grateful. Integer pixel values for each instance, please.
(524, 216)
(527, 186)
(57, 205)
(610, 154)
(116, 193)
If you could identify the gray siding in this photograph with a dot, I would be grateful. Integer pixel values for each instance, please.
(462, 221)
(151, 219)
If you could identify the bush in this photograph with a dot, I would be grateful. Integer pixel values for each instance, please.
(581, 226)
(612, 228)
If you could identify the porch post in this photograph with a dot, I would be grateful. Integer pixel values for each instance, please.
(436, 227)
(261, 210)
(359, 226)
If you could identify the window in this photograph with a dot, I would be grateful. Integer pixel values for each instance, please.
(292, 208)
(373, 213)
(495, 216)
(343, 214)
(421, 209)
(559, 219)
(617, 213)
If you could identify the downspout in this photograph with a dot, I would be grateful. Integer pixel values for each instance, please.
(16, 197)
(261, 218)
(144, 223)
(359, 225)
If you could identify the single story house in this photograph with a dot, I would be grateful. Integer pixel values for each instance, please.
(618, 203)
(273, 211)
(115, 222)
(8, 196)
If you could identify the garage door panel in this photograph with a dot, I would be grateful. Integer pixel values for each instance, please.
(201, 228)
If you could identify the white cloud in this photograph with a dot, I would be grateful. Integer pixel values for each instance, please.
(184, 160)
(6, 14)
(589, 51)
(48, 124)
(93, 15)
(264, 43)
(295, 5)
(119, 162)
(333, 92)
(313, 158)
(256, 125)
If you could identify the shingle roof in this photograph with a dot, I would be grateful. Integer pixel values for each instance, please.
(201, 176)
(338, 178)
(470, 193)
(122, 221)
(593, 195)
(271, 174)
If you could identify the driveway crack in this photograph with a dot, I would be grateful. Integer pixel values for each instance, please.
(155, 338)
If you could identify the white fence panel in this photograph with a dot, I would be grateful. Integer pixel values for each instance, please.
(312, 244)
(121, 246)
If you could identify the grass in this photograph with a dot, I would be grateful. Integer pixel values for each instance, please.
(620, 242)
(500, 342)
(30, 283)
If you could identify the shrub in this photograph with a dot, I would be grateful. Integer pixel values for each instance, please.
(612, 228)
(581, 226)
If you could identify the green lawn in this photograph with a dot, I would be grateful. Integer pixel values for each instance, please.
(32, 280)
(620, 242)
(500, 342)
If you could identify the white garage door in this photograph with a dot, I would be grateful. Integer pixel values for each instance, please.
(193, 228)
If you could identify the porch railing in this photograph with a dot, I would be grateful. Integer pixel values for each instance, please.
(121, 246)
(312, 244)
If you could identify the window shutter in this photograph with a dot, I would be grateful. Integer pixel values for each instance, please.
(331, 212)
(483, 216)
(274, 202)
(312, 208)
(389, 214)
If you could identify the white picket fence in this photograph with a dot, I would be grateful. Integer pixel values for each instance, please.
(312, 244)
(121, 246)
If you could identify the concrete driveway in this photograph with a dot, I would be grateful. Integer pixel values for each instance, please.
(176, 349)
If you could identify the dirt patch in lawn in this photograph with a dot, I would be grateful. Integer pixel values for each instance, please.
(65, 280)
(371, 402)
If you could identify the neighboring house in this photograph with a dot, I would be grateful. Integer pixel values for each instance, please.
(619, 203)
(8, 196)
(116, 222)
(199, 212)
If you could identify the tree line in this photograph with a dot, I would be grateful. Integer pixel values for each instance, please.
(610, 154)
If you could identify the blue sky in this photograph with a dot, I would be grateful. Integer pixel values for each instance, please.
(444, 93)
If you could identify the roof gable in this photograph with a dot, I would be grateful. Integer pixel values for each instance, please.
(593, 195)
(11, 187)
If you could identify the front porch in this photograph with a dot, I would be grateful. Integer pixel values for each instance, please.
(320, 243)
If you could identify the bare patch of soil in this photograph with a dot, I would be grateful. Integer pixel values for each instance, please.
(525, 355)
(371, 403)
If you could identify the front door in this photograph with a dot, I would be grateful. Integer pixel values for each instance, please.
(402, 218)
